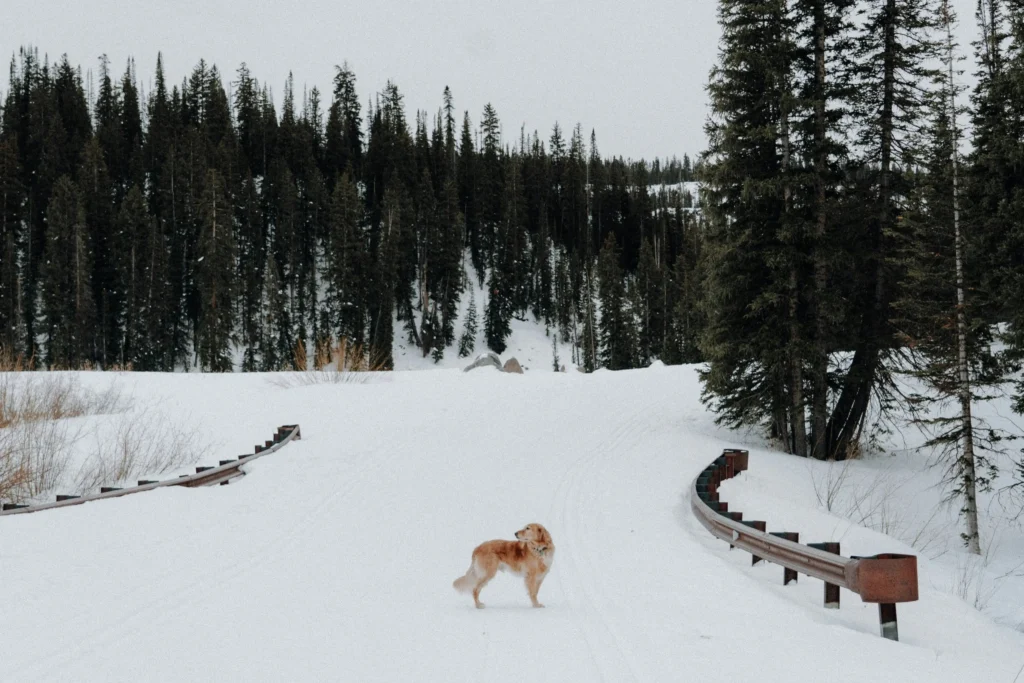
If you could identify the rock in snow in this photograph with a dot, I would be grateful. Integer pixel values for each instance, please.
(485, 359)
(512, 365)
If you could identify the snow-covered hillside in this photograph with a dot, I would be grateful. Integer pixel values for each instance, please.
(333, 560)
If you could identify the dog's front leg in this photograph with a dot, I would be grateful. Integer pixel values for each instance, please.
(533, 582)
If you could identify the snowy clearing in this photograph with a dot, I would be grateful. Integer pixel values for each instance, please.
(333, 560)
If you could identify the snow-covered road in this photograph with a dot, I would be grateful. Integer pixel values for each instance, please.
(333, 560)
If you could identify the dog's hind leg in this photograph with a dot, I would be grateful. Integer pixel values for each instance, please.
(484, 575)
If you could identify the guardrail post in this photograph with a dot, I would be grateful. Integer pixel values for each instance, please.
(831, 590)
(788, 575)
(736, 517)
(887, 619)
(741, 459)
(760, 526)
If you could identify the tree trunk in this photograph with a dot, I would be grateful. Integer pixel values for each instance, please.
(797, 441)
(819, 361)
(851, 408)
(967, 463)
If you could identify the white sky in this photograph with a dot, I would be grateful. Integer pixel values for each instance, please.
(633, 70)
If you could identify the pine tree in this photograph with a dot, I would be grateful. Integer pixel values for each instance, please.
(894, 49)
(648, 305)
(108, 114)
(616, 333)
(542, 270)
(344, 137)
(468, 190)
(68, 310)
(995, 191)
(943, 308)
(498, 314)
(563, 299)
(746, 286)
(142, 271)
(467, 341)
(446, 270)
(12, 198)
(275, 333)
(822, 72)
(104, 245)
(382, 305)
(251, 258)
(215, 279)
(345, 272)
(588, 342)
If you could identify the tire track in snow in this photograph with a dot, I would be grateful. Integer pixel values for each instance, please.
(170, 601)
(605, 646)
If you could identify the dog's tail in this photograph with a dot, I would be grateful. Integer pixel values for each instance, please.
(464, 584)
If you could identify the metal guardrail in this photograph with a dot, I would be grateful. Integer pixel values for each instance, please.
(223, 473)
(885, 579)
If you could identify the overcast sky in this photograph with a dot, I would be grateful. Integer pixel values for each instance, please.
(633, 70)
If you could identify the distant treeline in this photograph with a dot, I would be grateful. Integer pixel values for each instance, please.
(189, 228)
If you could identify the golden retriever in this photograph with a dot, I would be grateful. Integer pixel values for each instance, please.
(530, 557)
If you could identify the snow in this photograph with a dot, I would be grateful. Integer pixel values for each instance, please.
(333, 559)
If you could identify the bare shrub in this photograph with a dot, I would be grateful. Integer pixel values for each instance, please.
(36, 454)
(971, 581)
(36, 436)
(142, 444)
(829, 486)
(346, 363)
(32, 396)
(873, 504)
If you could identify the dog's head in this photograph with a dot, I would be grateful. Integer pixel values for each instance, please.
(537, 536)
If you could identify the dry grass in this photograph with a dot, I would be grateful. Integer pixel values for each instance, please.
(33, 396)
(37, 436)
(15, 362)
(34, 456)
(344, 363)
(142, 444)
(971, 580)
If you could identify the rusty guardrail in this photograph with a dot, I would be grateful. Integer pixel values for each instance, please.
(884, 579)
(223, 473)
